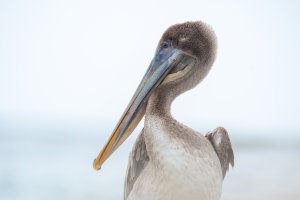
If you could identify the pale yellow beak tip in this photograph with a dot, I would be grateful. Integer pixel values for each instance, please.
(95, 165)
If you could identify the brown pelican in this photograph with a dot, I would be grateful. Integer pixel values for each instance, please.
(169, 160)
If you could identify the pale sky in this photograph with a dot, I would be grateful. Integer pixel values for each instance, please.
(86, 58)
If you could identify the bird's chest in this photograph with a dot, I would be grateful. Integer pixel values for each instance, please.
(167, 152)
(175, 171)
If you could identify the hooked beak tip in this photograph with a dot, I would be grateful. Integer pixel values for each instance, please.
(95, 166)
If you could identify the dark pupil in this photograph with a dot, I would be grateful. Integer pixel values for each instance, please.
(165, 45)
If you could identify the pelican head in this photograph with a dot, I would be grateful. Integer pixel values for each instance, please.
(182, 59)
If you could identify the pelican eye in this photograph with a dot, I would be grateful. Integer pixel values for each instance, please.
(165, 44)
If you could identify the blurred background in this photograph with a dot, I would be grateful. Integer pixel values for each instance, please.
(69, 68)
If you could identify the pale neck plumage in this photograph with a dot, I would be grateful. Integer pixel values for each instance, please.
(159, 103)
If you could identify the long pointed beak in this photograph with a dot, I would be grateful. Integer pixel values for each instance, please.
(157, 71)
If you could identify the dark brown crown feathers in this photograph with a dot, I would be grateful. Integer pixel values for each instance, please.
(195, 38)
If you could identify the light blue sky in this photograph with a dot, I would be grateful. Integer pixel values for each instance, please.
(85, 59)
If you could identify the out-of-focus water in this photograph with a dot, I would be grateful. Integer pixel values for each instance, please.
(55, 162)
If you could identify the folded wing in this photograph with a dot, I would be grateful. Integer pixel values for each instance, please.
(220, 141)
(138, 160)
